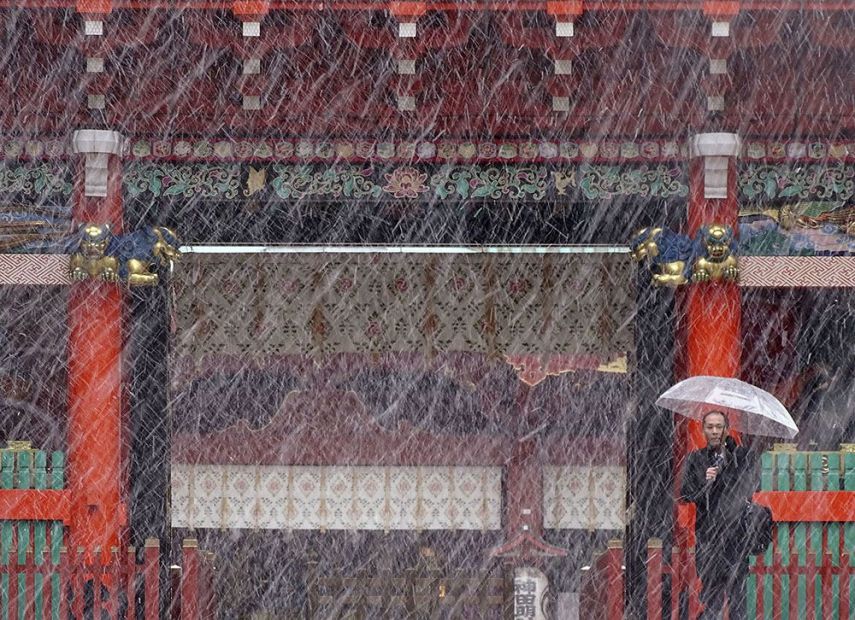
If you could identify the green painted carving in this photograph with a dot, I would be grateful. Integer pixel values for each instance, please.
(533, 182)
(494, 182)
(215, 181)
(35, 179)
(598, 182)
(760, 182)
(294, 182)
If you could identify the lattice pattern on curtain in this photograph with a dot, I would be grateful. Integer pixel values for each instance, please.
(584, 497)
(336, 497)
(316, 304)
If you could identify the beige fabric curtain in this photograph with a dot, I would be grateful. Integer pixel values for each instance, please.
(317, 304)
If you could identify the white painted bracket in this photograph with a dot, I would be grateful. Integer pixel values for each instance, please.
(94, 65)
(97, 145)
(93, 28)
(406, 103)
(563, 66)
(564, 29)
(718, 66)
(251, 102)
(251, 29)
(720, 30)
(715, 103)
(560, 104)
(407, 30)
(716, 149)
(406, 66)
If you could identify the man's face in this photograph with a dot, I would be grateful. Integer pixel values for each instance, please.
(715, 429)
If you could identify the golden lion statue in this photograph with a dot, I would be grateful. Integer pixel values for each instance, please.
(131, 258)
(719, 263)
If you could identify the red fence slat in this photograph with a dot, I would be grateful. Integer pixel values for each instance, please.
(12, 569)
(189, 580)
(131, 583)
(151, 576)
(94, 584)
(654, 580)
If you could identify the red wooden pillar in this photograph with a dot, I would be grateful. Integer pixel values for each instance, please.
(713, 309)
(525, 490)
(94, 359)
(524, 499)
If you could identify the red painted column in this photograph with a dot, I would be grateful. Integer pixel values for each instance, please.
(524, 482)
(525, 490)
(712, 309)
(94, 360)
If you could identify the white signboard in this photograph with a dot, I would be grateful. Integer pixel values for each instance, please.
(529, 588)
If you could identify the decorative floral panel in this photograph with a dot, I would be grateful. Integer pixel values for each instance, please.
(512, 304)
(336, 497)
(584, 497)
(35, 209)
(523, 182)
(791, 210)
(214, 181)
(306, 150)
(828, 183)
(35, 180)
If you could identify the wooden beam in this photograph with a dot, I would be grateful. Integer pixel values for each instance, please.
(526, 5)
(34, 505)
(811, 506)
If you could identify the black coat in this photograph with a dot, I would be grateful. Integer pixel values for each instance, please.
(719, 504)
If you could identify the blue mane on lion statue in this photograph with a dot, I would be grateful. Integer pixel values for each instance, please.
(132, 258)
(669, 255)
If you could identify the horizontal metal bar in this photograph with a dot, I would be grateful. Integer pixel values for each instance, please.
(404, 249)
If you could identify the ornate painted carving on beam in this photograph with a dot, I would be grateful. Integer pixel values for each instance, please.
(34, 211)
(132, 259)
(797, 211)
(675, 259)
(35, 179)
(461, 151)
(220, 181)
(514, 182)
(766, 183)
(598, 182)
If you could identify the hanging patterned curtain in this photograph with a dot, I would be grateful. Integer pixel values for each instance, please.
(504, 305)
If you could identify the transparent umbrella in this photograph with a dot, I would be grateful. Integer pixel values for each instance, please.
(749, 409)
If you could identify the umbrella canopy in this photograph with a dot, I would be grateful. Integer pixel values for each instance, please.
(749, 409)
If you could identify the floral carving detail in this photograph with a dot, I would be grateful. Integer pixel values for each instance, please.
(33, 180)
(532, 182)
(496, 182)
(827, 183)
(295, 182)
(405, 182)
(601, 181)
(188, 180)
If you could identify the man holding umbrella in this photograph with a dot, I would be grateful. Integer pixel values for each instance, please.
(720, 479)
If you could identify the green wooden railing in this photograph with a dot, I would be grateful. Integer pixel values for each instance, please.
(24, 468)
(818, 546)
